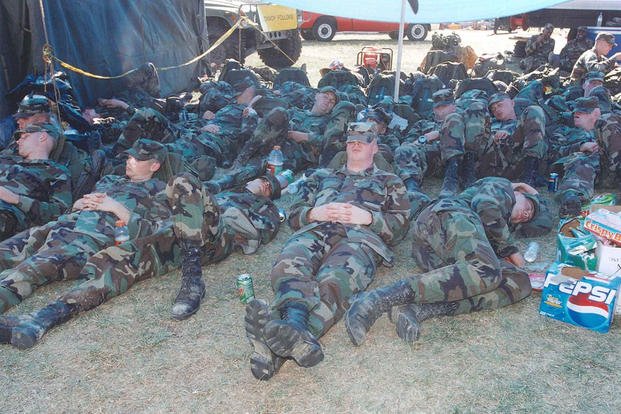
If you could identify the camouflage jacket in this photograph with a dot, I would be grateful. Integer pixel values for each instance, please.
(145, 200)
(539, 49)
(492, 199)
(572, 51)
(377, 191)
(608, 137)
(305, 121)
(253, 219)
(589, 61)
(43, 186)
(566, 140)
(232, 123)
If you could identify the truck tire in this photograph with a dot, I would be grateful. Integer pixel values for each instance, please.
(307, 34)
(291, 46)
(324, 29)
(230, 49)
(416, 31)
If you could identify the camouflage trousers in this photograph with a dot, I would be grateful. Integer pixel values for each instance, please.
(322, 269)
(506, 157)
(145, 122)
(459, 263)
(39, 256)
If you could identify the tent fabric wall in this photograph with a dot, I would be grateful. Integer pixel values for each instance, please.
(103, 37)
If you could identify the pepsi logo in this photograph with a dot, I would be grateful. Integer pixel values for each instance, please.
(584, 311)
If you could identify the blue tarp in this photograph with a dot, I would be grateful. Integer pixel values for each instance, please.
(429, 11)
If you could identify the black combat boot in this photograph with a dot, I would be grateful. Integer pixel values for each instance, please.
(368, 306)
(263, 362)
(289, 336)
(450, 185)
(468, 170)
(408, 318)
(8, 298)
(530, 172)
(7, 323)
(569, 204)
(192, 289)
(35, 325)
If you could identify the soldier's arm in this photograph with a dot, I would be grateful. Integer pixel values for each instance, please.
(392, 222)
(605, 65)
(60, 200)
(531, 46)
(548, 47)
(496, 227)
(149, 217)
(298, 216)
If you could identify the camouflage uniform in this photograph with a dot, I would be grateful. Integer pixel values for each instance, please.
(589, 61)
(536, 53)
(59, 249)
(44, 190)
(572, 52)
(323, 264)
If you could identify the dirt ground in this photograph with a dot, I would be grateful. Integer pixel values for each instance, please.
(128, 355)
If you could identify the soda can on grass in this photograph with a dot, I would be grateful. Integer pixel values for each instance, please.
(245, 288)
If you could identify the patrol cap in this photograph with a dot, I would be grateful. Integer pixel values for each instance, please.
(51, 129)
(361, 131)
(32, 105)
(498, 97)
(240, 86)
(603, 97)
(147, 149)
(607, 37)
(586, 105)
(442, 97)
(542, 221)
(332, 90)
(376, 114)
(593, 75)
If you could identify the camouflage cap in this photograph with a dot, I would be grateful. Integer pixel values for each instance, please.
(498, 97)
(32, 105)
(52, 130)
(542, 221)
(603, 97)
(442, 97)
(147, 149)
(332, 90)
(361, 131)
(240, 86)
(593, 75)
(376, 114)
(606, 37)
(586, 105)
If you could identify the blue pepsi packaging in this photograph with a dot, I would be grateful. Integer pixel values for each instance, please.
(580, 297)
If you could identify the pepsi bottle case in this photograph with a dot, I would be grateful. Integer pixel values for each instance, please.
(579, 297)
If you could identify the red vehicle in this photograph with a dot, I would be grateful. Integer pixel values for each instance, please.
(323, 28)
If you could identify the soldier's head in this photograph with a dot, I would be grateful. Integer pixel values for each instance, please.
(523, 210)
(591, 80)
(36, 141)
(604, 42)
(581, 32)
(33, 109)
(502, 106)
(547, 30)
(245, 90)
(541, 220)
(603, 97)
(443, 104)
(377, 116)
(586, 113)
(144, 159)
(260, 186)
(361, 145)
(325, 100)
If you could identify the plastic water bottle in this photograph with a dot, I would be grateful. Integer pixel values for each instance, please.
(600, 20)
(121, 233)
(530, 255)
(275, 161)
(285, 178)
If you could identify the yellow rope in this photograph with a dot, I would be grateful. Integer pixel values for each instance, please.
(48, 54)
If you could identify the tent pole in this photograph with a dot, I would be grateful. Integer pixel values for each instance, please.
(399, 52)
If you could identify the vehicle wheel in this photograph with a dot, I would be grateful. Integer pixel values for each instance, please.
(416, 32)
(230, 49)
(324, 29)
(307, 34)
(274, 58)
(393, 35)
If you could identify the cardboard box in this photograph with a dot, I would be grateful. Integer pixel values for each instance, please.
(579, 297)
(605, 222)
(608, 260)
(576, 251)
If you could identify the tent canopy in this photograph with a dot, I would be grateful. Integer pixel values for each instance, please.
(102, 37)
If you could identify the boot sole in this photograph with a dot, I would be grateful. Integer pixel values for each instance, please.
(263, 363)
(286, 341)
(356, 331)
(407, 326)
